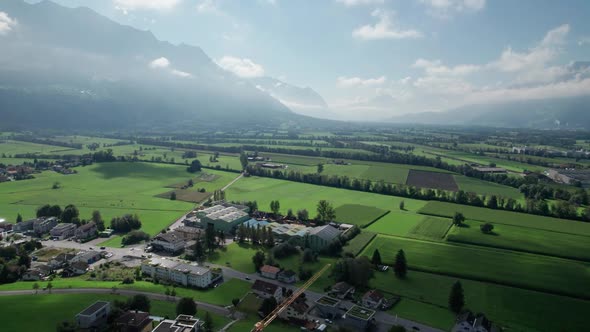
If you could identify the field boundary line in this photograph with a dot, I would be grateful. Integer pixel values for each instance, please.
(375, 220)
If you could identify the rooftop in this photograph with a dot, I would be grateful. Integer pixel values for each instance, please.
(96, 306)
(223, 212)
(328, 301)
(270, 269)
(360, 312)
(264, 286)
(326, 232)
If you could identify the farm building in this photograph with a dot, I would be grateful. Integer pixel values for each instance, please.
(224, 216)
(570, 176)
(320, 237)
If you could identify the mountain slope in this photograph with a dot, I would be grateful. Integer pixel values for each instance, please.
(64, 68)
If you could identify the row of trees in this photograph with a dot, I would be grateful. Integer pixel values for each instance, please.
(125, 223)
(70, 214)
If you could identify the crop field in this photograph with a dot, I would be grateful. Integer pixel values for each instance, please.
(425, 299)
(528, 271)
(524, 239)
(508, 218)
(431, 228)
(398, 223)
(359, 242)
(295, 195)
(186, 195)
(292, 159)
(10, 148)
(486, 188)
(112, 188)
(433, 180)
(358, 214)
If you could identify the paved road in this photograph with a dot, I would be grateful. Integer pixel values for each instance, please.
(126, 292)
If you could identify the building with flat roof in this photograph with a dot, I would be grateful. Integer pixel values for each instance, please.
(180, 273)
(328, 307)
(63, 231)
(44, 225)
(24, 226)
(359, 317)
(570, 176)
(224, 216)
(170, 242)
(94, 316)
(133, 321)
(182, 323)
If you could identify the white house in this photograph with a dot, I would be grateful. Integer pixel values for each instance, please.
(180, 273)
(94, 316)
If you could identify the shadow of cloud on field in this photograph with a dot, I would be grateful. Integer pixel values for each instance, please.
(116, 170)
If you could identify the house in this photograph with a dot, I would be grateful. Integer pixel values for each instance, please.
(296, 311)
(468, 322)
(169, 242)
(61, 260)
(33, 274)
(87, 257)
(180, 273)
(328, 307)
(5, 227)
(224, 217)
(359, 317)
(78, 268)
(266, 290)
(133, 321)
(94, 316)
(269, 271)
(44, 225)
(373, 299)
(63, 231)
(341, 290)
(24, 226)
(287, 276)
(86, 231)
(320, 237)
(182, 323)
(188, 233)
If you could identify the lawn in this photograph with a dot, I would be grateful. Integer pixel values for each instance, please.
(358, 214)
(508, 218)
(112, 188)
(486, 188)
(425, 296)
(524, 239)
(431, 228)
(295, 195)
(359, 242)
(523, 270)
(52, 309)
(398, 223)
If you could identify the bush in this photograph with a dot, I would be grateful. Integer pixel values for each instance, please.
(135, 237)
(486, 228)
(284, 250)
(127, 281)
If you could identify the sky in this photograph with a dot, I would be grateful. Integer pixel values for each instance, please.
(382, 58)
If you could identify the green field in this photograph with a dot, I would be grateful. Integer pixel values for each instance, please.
(295, 195)
(10, 148)
(358, 214)
(486, 188)
(359, 242)
(398, 223)
(524, 239)
(508, 218)
(431, 228)
(523, 270)
(112, 188)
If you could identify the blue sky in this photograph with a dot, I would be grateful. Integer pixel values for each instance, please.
(382, 58)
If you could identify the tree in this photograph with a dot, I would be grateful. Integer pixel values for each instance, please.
(173, 196)
(139, 302)
(36, 287)
(167, 292)
(268, 305)
(235, 302)
(326, 212)
(458, 219)
(69, 214)
(355, 271)
(199, 251)
(208, 322)
(258, 260)
(302, 215)
(290, 214)
(400, 267)
(173, 292)
(243, 160)
(275, 207)
(186, 306)
(134, 237)
(456, 298)
(49, 287)
(376, 259)
(487, 228)
(19, 218)
(56, 185)
(320, 168)
(210, 236)
(194, 167)
(97, 219)
(402, 205)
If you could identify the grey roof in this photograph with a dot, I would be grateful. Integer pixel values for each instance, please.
(94, 308)
(326, 232)
(192, 269)
(169, 237)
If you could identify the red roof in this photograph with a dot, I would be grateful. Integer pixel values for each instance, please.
(270, 269)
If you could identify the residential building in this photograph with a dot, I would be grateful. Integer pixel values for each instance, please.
(359, 317)
(63, 231)
(86, 231)
(266, 290)
(5, 227)
(44, 224)
(468, 322)
(328, 307)
(188, 233)
(33, 274)
(133, 321)
(296, 311)
(373, 299)
(341, 290)
(94, 316)
(87, 257)
(320, 237)
(269, 271)
(78, 268)
(180, 273)
(61, 260)
(223, 216)
(169, 242)
(182, 323)
(287, 276)
(24, 226)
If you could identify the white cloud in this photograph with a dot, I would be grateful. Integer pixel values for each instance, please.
(160, 63)
(208, 6)
(347, 82)
(351, 3)
(583, 41)
(6, 23)
(146, 4)
(242, 67)
(383, 29)
(180, 73)
(435, 68)
(556, 36)
(447, 8)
